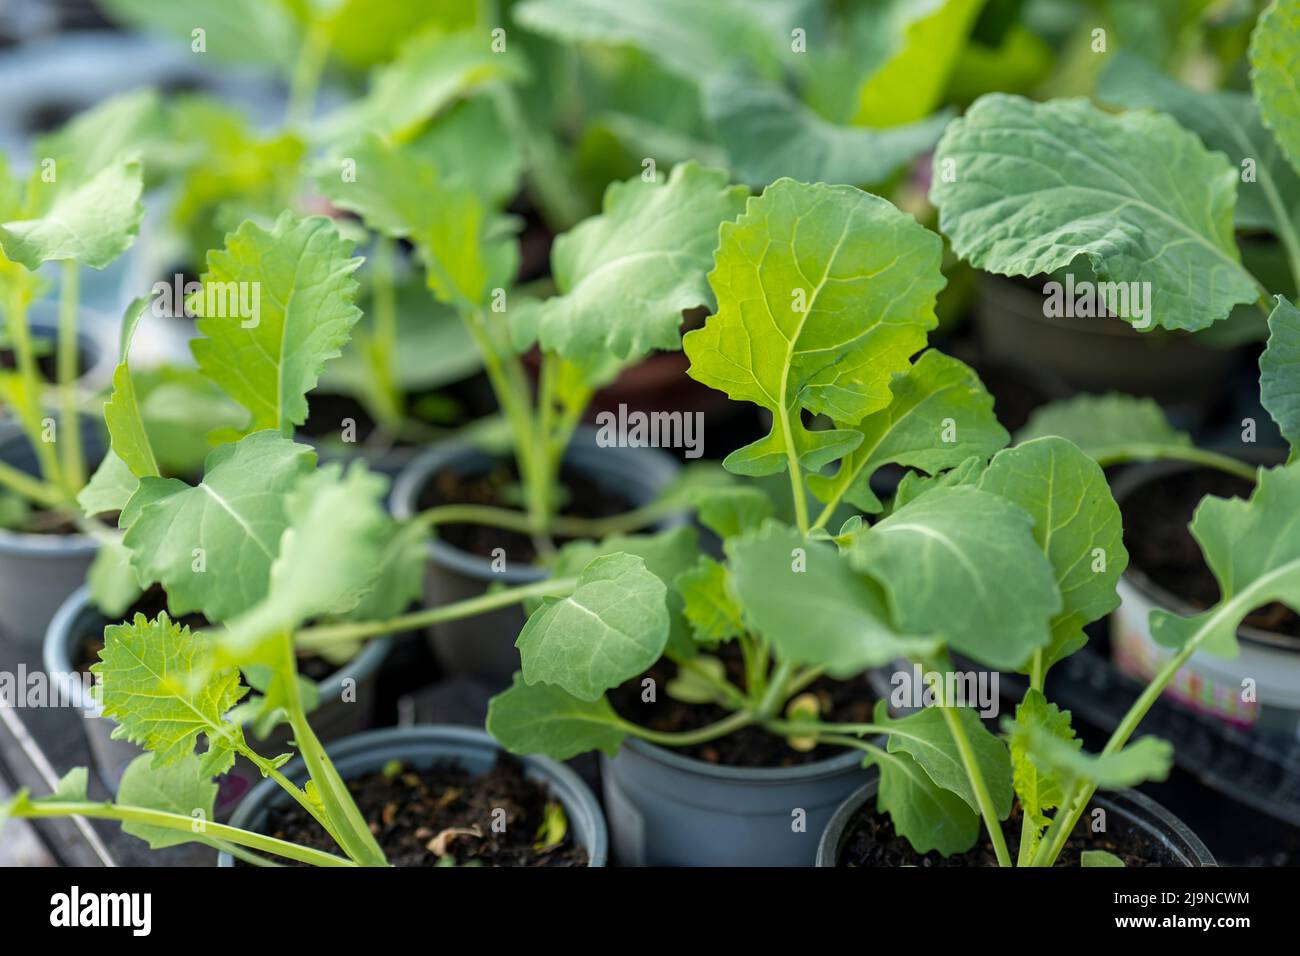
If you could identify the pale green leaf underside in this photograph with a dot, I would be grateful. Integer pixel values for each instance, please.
(930, 817)
(180, 788)
(541, 719)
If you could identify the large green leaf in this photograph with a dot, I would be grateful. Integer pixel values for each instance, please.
(92, 222)
(686, 37)
(1026, 188)
(1275, 64)
(541, 719)
(1076, 524)
(612, 627)
(1253, 548)
(769, 134)
(824, 292)
(242, 31)
(122, 412)
(943, 560)
(181, 788)
(160, 683)
(1226, 121)
(129, 124)
(299, 275)
(930, 817)
(940, 415)
(212, 546)
(803, 598)
(1279, 371)
(649, 250)
(1107, 427)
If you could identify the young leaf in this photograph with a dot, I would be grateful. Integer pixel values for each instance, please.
(1275, 63)
(212, 546)
(1026, 188)
(824, 292)
(943, 561)
(161, 685)
(1146, 759)
(927, 815)
(913, 484)
(181, 788)
(109, 488)
(1253, 548)
(940, 415)
(297, 278)
(770, 134)
(111, 579)
(649, 249)
(926, 738)
(92, 222)
(543, 719)
(1036, 784)
(1076, 524)
(613, 626)
(122, 412)
(1106, 426)
(802, 597)
(1099, 858)
(1279, 383)
(713, 614)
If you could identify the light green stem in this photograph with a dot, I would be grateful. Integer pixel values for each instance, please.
(306, 76)
(1151, 451)
(74, 468)
(741, 718)
(594, 528)
(31, 488)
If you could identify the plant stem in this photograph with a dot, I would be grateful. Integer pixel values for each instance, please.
(74, 469)
(991, 822)
(802, 679)
(594, 528)
(775, 695)
(741, 718)
(20, 336)
(796, 476)
(315, 638)
(735, 696)
(383, 346)
(177, 821)
(1148, 451)
(304, 81)
(31, 488)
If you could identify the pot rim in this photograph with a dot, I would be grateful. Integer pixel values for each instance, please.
(41, 545)
(1127, 483)
(413, 478)
(550, 771)
(1156, 814)
(60, 635)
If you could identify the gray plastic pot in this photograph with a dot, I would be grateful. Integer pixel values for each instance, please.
(1127, 811)
(422, 747)
(665, 809)
(39, 571)
(483, 647)
(77, 619)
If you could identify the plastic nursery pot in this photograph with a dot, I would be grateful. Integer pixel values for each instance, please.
(1206, 684)
(483, 646)
(1096, 354)
(77, 621)
(665, 809)
(1127, 812)
(39, 571)
(422, 747)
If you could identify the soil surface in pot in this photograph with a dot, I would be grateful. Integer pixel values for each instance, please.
(499, 487)
(47, 363)
(1156, 515)
(451, 406)
(841, 701)
(872, 841)
(442, 814)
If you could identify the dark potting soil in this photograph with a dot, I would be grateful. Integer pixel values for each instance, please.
(421, 817)
(841, 701)
(47, 365)
(583, 498)
(872, 841)
(456, 404)
(1156, 515)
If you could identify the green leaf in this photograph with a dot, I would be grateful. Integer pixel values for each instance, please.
(1076, 524)
(240, 31)
(1026, 188)
(688, 38)
(824, 292)
(1226, 121)
(181, 788)
(928, 816)
(926, 738)
(1104, 425)
(234, 519)
(71, 787)
(471, 147)
(180, 408)
(612, 627)
(432, 70)
(913, 484)
(802, 597)
(649, 250)
(109, 488)
(112, 581)
(942, 560)
(731, 510)
(769, 134)
(1253, 548)
(298, 280)
(127, 125)
(690, 685)
(160, 683)
(122, 412)
(1279, 383)
(1036, 784)
(92, 222)
(399, 575)
(542, 719)
(1275, 64)
(940, 415)
(1146, 759)
(709, 607)
(1099, 858)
